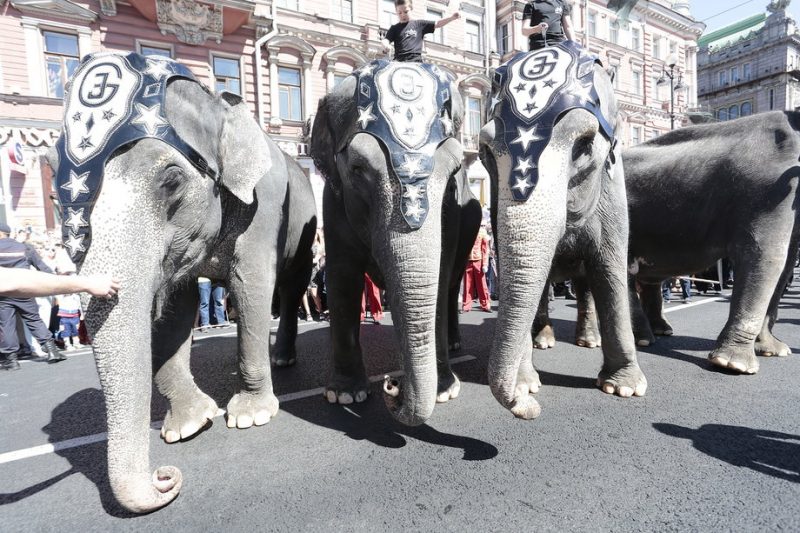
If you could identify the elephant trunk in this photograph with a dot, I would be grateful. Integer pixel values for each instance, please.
(121, 340)
(528, 234)
(410, 262)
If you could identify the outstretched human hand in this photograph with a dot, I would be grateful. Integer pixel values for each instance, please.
(101, 285)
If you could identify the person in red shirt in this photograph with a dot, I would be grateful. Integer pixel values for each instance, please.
(372, 292)
(477, 265)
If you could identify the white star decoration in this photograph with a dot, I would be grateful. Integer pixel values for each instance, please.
(76, 185)
(366, 70)
(75, 219)
(75, 243)
(448, 125)
(157, 68)
(413, 192)
(365, 116)
(411, 165)
(583, 92)
(525, 137)
(522, 184)
(149, 118)
(495, 100)
(523, 165)
(414, 210)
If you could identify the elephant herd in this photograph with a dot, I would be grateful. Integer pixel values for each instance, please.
(161, 181)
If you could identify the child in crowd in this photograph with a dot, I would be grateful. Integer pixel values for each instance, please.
(69, 315)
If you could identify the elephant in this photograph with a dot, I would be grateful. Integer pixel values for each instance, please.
(558, 205)
(731, 193)
(396, 205)
(160, 182)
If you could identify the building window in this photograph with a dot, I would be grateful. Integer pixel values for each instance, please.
(771, 99)
(161, 51)
(288, 4)
(637, 82)
(502, 39)
(227, 76)
(723, 77)
(636, 135)
(673, 48)
(290, 93)
(733, 112)
(592, 23)
(746, 74)
(438, 35)
(473, 126)
(61, 58)
(722, 114)
(473, 36)
(388, 14)
(342, 10)
(747, 109)
(636, 39)
(339, 78)
(657, 47)
(734, 75)
(613, 32)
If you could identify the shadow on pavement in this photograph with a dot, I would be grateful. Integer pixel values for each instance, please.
(89, 460)
(768, 452)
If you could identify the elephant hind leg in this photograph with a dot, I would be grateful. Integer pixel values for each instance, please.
(542, 331)
(587, 331)
(190, 409)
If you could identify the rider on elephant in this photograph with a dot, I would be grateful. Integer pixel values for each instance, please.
(407, 35)
(550, 22)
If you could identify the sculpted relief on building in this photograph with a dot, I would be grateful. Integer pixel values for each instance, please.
(191, 22)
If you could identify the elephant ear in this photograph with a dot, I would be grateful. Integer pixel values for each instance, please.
(323, 142)
(333, 126)
(244, 154)
(456, 109)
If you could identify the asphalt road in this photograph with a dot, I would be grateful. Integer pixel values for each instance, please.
(704, 450)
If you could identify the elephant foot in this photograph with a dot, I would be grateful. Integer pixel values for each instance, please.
(739, 359)
(187, 417)
(142, 493)
(546, 338)
(769, 346)
(283, 358)
(247, 409)
(448, 388)
(347, 389)
(588, 339)
(624, 382)
(644, 341)
(528, 381)
(660, 326)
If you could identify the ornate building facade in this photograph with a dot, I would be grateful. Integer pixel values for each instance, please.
(283, 55)
(751, 66)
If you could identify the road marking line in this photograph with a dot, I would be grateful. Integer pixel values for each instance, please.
(695, 304)
(44, 449)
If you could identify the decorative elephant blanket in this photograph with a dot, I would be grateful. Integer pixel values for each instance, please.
(112, 100)
(407, 107)
(529, 93)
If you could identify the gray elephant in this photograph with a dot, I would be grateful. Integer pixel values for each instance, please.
(159, 182)
(396, 205)
(701, 193)
(558, 203)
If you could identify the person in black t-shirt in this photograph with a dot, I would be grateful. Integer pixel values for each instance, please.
(407, 34)
(550, 22)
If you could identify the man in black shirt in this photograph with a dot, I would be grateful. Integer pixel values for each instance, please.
(14, 254)
(550, 22)
(407, 34)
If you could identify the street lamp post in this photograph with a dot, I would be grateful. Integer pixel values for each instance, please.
(674, 85)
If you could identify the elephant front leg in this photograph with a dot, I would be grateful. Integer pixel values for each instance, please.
(190, 409)
(255, 402)
(544, 336)
(587, 332)
(348, 381)
(453, 330)
(284, 353)
(620, 373)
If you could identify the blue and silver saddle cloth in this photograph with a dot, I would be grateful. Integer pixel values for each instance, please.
(407, 107)
(529, 94)
(112, 100)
